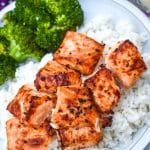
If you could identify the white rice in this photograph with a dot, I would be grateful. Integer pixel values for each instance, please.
(132, 112)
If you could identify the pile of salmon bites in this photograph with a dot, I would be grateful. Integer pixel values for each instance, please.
(71, 98)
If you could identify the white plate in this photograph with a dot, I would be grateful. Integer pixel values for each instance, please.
(119, 9)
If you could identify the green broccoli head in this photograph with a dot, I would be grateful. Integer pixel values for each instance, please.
(7, 68)
(67, 13)
(49, 37)
(22, 45)
(27, 15)
(32, 16)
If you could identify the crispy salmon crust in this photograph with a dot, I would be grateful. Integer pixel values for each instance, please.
(79, 52)
(31, 106)
(74, 107)
(76, 138)
(54, 74)
(24, 137)
(126, 63)
(105, 90)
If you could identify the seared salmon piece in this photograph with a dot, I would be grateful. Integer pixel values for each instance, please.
(105, 90)
(126, 63)
(54, 74)
(76, 138)
(31, 106)
(24, 137)
(75, 118)
(74, 108)
(79, 52)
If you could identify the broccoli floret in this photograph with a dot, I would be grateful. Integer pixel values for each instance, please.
(31, 16)
(3, 46)
(49, 38)
(7, 68)
(27, 16)
(22, 45)
(67, 13)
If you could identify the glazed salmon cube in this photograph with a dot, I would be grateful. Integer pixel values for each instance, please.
(74, 107)
(126, 63)
(54, 74)
(105, 90)
(79, 52)
(76, 138)
(24, 137)
(31, 106)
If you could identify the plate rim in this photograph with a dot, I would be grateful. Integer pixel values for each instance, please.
(6, 9)
(136, 12)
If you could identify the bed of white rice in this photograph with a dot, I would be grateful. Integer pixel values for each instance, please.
(132, 112)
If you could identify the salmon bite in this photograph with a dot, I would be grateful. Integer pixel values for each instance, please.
(126, 63)
(79, 52)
